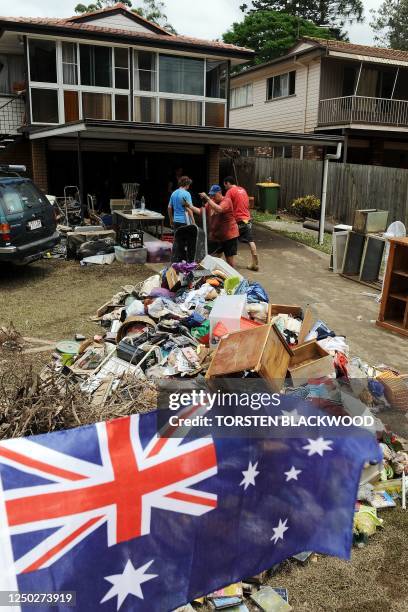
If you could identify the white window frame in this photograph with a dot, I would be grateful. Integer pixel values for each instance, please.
(61, 87)
(175, 96)
(274, 76)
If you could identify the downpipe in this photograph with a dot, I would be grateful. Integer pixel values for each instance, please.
(327, 158)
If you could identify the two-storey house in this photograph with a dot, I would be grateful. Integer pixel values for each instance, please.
(330, 87)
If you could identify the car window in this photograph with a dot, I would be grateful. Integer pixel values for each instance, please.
(18, 197)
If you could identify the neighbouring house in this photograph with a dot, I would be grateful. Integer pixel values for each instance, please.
(107, 97)
(330, 87)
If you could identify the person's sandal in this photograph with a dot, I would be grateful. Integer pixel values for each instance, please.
(253, 267)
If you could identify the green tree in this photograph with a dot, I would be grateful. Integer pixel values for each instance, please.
(271, 33)
(334, 14)
(390, 24)
(153, 10)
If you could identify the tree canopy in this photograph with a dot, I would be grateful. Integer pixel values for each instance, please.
(271, 33)
(390, 24)
(333, 14)
(153, 10)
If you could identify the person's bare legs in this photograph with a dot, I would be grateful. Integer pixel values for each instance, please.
(230, 260)
(255, 261)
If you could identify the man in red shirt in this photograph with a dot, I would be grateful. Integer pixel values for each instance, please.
(240, 202)
(222, 228)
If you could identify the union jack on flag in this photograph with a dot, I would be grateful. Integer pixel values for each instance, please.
(133, 521)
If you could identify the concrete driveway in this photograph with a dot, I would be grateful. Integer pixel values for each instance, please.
(295, 274)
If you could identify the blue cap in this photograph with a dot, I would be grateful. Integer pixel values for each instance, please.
(214, 189)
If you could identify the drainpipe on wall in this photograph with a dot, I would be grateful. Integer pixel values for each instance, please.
(327, 158)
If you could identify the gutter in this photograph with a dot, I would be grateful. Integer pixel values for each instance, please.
(327, 158)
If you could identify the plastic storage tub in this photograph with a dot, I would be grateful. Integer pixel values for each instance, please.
(131, 256)
(228, 310)
(158, 251)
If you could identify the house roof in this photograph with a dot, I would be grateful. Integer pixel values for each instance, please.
(351, 48)
(81, 27)
(120, 8)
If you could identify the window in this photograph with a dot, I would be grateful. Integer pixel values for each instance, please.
(145, 109)
(281, 85)
(69, 64)
(180, 112)
(11, 73)
(216, 79)
(96, 105)
(43, 61)
(71, 106)
(96, 65)
(44, 105)
(181, 75)
(145, 71)
(121, 68)
(121, 108)
(241, 96)
(214, 114)
(349, 80)
(20, 196)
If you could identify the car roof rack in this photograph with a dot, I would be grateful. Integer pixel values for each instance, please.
(12, 168)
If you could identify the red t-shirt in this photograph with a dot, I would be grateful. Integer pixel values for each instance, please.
(222, 226)
(240, 202)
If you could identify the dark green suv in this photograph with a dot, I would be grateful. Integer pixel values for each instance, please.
(27, 219)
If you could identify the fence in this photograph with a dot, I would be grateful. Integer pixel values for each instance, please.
(350, 186)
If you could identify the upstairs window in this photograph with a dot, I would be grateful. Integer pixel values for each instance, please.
(216, 79)
(96, 65)
(69, 63)
(43, 61)
(181, 75)
(145, 71)
(121, 68)
(241, 96)
(281, 85)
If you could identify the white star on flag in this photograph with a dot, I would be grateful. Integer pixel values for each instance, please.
(128, 583)
(279, 531)
(292, 474)
(249, 476)
(318, 447)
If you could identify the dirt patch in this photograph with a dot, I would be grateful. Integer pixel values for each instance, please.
(54, 299)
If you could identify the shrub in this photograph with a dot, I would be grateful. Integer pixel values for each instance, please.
(308, 206)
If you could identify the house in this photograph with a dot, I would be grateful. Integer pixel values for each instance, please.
(107, 97)
(330, 87)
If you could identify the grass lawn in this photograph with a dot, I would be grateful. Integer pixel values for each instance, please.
(54, 299)
(309, 240)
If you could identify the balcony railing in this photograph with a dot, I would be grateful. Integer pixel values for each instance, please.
(12, 115)
(360, 109)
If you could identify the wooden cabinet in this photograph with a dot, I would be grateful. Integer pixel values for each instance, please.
(394, 303)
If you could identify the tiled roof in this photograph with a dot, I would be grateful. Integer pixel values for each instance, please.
(72, 25)
(347, 47)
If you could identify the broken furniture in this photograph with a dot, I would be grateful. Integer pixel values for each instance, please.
(259, 349)
(394, 303)
(309, 360)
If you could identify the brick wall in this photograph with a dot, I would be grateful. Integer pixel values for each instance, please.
(313, 152)
(213, 165)
(39, 164)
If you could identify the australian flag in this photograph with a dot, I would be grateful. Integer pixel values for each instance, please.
(131, 520)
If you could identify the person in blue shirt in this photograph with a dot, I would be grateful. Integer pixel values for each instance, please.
(179, 206)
